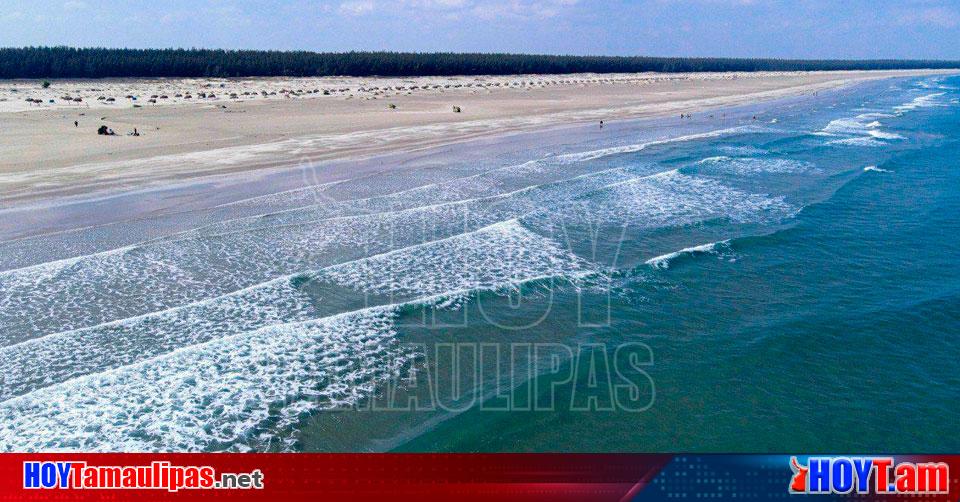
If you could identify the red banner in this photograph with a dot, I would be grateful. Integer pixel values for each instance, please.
(501, 477)
(296, 477)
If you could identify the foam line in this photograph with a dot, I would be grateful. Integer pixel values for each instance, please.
(749, 166)
(618, 150)
(663, 261)
(503, 253)
(861, 130)
(494, 256)
(925, 101)
(225, 394)
(232, 391)
(54, 294)
(667, 199)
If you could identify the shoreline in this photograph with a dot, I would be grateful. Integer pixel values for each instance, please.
(192, 142)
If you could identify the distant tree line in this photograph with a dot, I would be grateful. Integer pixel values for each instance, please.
(69, 62)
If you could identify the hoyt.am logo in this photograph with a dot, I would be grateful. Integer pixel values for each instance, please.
(876, 475)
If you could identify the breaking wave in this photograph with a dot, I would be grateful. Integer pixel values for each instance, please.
(663, 261)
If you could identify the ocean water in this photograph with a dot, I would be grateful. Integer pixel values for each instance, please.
(787, 276)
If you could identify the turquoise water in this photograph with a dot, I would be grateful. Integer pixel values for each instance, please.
(779, 277)
(833, 330)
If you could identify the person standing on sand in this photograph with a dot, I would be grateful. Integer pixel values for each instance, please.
(76, 123)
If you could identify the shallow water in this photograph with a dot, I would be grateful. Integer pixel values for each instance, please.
(788, 269)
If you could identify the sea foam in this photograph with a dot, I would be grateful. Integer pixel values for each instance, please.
(226, 394)
(858, 131)
(500, 255)
(663, 261)
(636, 147)
(747, 166)
(925, 101)
(667, 199)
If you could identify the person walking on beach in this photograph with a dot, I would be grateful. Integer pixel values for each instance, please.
(76, 123)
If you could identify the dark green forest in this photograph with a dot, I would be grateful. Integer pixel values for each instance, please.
(69, 62)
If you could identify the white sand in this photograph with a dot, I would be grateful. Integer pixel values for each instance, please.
(271, 122)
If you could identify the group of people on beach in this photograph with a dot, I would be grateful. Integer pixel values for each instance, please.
(106, 131)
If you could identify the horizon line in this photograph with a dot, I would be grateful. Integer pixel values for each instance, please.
(481, 53)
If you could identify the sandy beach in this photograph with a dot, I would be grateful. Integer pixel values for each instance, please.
(196, 127)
